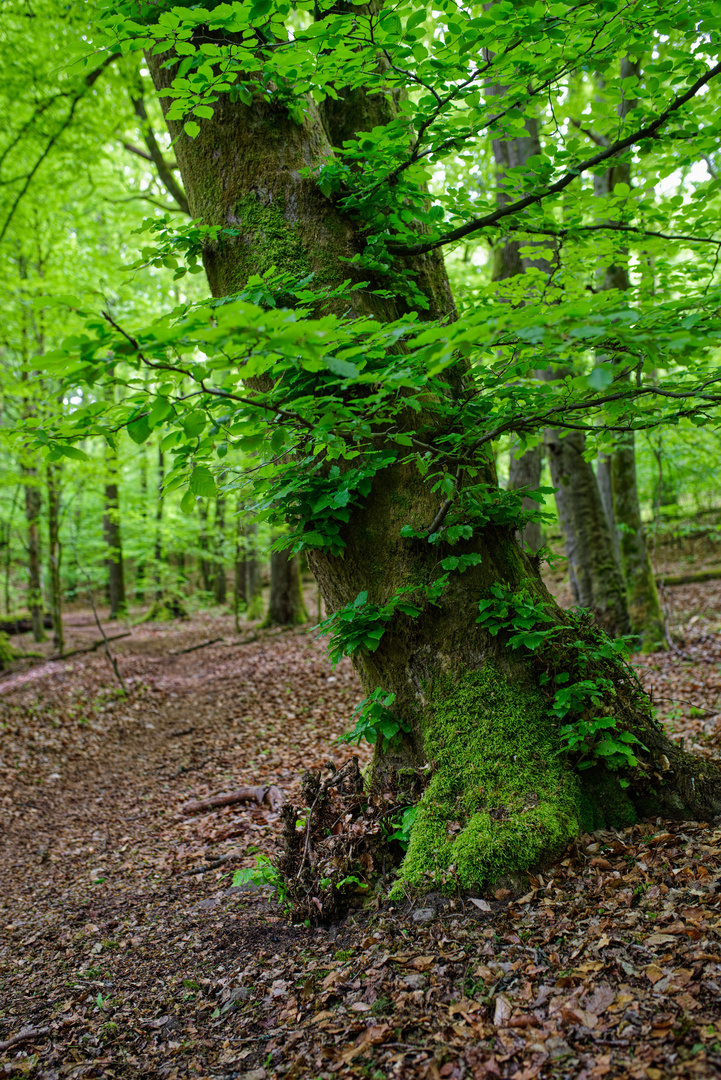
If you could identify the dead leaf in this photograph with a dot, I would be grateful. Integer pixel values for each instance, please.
(482, 905)
(654, 973)
(502, 1011)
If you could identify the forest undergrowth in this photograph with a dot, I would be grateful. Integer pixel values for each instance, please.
(126, 952)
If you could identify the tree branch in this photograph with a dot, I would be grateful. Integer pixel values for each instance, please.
(155, 154)
(648, 131)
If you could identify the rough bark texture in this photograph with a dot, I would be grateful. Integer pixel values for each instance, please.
(595, 578)
(494, 794)
(286, 606)
(35, 591)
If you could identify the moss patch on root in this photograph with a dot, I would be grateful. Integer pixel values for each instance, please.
(501, 799)
(7, 652)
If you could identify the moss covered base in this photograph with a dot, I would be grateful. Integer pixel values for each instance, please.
(501, 800)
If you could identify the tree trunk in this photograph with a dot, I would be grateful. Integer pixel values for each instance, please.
(54, 559)
(158, 553)
(220, 585)
(113, 541)
(605, 490)
(253, 587)
(286, 606)
(595, 578)
(206, 569)
(644, 606)
(525, 472)
(142, 562)
(481, 748)
(35, 589)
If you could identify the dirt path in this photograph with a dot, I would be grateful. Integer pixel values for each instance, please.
(126, 962)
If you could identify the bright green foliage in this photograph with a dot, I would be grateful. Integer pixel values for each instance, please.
(376, 723)
(500, 795)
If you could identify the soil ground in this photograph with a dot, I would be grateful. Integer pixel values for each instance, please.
(126, 952)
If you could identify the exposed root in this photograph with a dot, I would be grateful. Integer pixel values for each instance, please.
(339, 845)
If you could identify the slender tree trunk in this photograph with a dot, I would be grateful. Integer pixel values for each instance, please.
(206, 574)
(253, 585)
(644, 606)
(35, 590)
(158, 553)
(113, 540)
(142, 563)
(240, 595)
(286, 606)
(605, 490)
(8, 549)
(595, 578)
(525, 472)
(54, 558)
(498, 798)
(220, 585)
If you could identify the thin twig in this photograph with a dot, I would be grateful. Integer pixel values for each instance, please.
(26, 1035)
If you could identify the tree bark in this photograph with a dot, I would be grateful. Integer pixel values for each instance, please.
(113, 541)
(158, 553)
(141, 570)
(605, 490)
(480, 754)
(595, 578)
(206, 570)
(35, 590)
(644, 606)
(525, 472)
(286, 606)
(54, 558)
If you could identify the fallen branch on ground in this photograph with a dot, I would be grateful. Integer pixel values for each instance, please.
(713, 573)
(231, 857)
(88, 648)
(23, 1036)
(23, 626)
(272, 795)
(192, 648)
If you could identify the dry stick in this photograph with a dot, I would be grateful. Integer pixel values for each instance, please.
(192, 648)
(89, 648)
(272, 795)
(23, 1036)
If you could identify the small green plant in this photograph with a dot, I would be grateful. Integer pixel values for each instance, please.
(403, 826)
(263, 873)
(382, 1006)
(375, 722)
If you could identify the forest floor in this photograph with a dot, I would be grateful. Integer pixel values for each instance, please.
(126, 952)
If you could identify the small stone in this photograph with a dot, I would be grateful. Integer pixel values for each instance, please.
(205, 905)
(239, 993)
(415, 981)
(424, 915)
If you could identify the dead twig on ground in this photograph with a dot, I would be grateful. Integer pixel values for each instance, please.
(271, 795)
(26, 1035)
(192, 648)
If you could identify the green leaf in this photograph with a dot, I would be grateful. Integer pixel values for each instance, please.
(139, 430)
(187, 503)
(191, 128)
(194, 423)
(202, 482)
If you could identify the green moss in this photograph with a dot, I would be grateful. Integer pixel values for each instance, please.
(608, 802)
(501, 799)
(276, 241)
(7, 653)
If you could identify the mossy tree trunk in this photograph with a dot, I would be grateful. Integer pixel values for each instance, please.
(496, 795)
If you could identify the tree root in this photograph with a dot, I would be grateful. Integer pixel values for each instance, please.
(338, 845)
